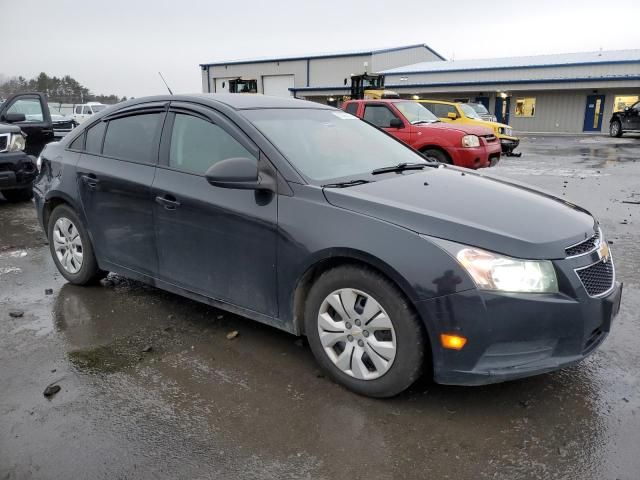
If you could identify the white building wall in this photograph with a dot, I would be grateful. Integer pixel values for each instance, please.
(398, 58)
(297, 68)
(331, 72)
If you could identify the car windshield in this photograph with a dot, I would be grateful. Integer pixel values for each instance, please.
(416, 113)
(469, 111)
(329, 144)
(479, 108)
(97, 108)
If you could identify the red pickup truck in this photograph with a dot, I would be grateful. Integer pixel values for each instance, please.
(462, 145)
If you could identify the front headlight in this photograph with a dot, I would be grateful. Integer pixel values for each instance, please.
(17, 143)
(470, 141)
(491, 271)
(39, 163)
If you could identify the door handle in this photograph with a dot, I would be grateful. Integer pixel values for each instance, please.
(168, 201)
(90, 180)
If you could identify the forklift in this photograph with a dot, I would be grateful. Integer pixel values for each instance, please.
(369, 86)
(238, 85)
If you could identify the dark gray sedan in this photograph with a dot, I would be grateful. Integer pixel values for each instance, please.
(308, 219)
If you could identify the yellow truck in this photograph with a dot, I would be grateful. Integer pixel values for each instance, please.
(454, 112)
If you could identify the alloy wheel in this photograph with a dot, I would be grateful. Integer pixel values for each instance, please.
(357, 334)
(68, 245)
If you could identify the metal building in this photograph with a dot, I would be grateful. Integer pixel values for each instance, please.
(284, 76)
(564, 93)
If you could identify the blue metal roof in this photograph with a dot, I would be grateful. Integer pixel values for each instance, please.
(535, 61)
(322, 55)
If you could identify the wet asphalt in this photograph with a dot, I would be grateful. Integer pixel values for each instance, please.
(151, 387)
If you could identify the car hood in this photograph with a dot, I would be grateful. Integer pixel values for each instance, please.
(465, 129)
(8, 128)
(471, 208)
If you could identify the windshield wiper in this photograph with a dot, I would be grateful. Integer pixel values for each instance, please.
(349, 183)
(401, 167)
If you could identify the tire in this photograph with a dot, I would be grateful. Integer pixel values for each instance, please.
(350, 284)
(63, 239)
(615, 129)
(438, 155)
(18, 195)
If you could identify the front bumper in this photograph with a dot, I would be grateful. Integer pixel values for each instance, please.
(486, 155)
(512, 335)
(509, 144)
(17, 170)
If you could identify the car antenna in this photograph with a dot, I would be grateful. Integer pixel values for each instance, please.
(165, 83)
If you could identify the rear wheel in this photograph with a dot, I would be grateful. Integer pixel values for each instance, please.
(615, 129)
(364, 332)
(18, 195)
(437, 155)
(71, 247)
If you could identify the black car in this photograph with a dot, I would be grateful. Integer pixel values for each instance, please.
(625, 121)
(25, 127)
(308, 219)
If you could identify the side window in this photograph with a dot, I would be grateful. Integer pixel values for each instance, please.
(379, 115)
(196, 144)
(132, 138)
(78, 110)
(87, 111)
(94, 138)
(77, 143)
(30, 107)
(352, 108)
(636, 107)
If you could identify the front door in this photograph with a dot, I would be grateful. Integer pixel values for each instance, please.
(631, 117)
(214, 241)
(593, 113)
(37, 119)
(115, 172)
(503, 106)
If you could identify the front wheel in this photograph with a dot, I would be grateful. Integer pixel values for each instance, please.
(18, 195)
(437, 155)
(71, 247)
(615, 129)
(363, 332)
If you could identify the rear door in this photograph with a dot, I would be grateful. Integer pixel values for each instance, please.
(37, 124)
(381, 115)
(214, 241)
(633, 117)
(115, 173)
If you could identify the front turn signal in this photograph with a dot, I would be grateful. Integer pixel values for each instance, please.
(452, 342)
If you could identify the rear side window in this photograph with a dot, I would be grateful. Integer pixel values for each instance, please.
(133, 138)
(196, 144)
(440, 110)
(94, 138)
(352, 108)
(78, 110)
(379, 115)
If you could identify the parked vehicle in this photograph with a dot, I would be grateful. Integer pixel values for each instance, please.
(625, 121)
(369, 86)
(464, 146)
(462, 113)
(86, 110)
(25, 127)
(300, 216)
(62, 124)
(482, 112)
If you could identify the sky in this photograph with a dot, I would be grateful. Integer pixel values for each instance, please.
(118, 46)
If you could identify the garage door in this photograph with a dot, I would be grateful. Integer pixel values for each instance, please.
(222, 85)
(277, 85)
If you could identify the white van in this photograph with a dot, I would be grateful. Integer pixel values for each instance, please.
(85, 110)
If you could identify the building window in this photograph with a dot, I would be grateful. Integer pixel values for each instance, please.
(526, 107)
(622, 101)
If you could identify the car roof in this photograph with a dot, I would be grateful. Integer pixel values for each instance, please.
(437, 101)
(236, 101)
(382, 100)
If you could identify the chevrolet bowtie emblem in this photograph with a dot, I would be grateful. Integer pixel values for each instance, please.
(603, 252)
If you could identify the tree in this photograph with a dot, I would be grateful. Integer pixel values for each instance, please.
(59, 90)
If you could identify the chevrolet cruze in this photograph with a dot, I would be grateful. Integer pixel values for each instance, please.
(308, 219)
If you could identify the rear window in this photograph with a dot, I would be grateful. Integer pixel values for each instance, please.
(94, 138)
(352, 108)
(133, 138)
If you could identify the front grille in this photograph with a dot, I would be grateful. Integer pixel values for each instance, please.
(597, 278)
(490, 138)
(63, 125)
(583, 247)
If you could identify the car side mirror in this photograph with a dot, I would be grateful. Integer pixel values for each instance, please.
(239, 173)
(452, 115)
(14, 117)
(396, 123)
